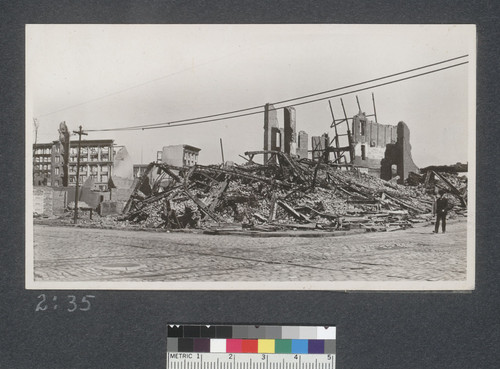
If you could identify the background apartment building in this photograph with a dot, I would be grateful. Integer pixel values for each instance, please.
(180, 155)
(96, 162)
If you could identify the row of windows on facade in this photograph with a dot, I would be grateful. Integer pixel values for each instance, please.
(101, 178)
(42, 167)
(93, 169)
(93, 151)
(42, 151)
(42, 159)
(74, 150)
(102, 187)
(74, 159)
(190, 158)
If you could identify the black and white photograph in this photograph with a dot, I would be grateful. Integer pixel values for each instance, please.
(250, 157)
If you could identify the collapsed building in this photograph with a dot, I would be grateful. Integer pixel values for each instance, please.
(357, 179)
(285, 193)
(381, 150)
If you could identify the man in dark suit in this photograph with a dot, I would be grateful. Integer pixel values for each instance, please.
(441, 210)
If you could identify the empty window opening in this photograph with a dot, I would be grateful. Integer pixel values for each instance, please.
(362, 127)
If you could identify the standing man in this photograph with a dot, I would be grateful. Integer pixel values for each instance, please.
(441, 210)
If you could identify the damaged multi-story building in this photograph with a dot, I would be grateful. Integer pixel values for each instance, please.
(99, 159)
(283, 139)
(382, 150)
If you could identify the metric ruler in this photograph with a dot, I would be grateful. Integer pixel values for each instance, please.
(250, 347)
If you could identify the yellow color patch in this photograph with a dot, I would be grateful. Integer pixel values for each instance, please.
(266, 346)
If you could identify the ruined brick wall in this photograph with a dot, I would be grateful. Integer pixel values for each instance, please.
(303, 145)
(42, 200)
(276, 139)
(290, 138)
(111, 208)
(370, 140)
(372, 134)
(49, 201)
(270, 122)
(399, 154)
(319, 144)
(59, 200)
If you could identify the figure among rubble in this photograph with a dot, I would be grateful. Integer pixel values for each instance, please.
(441, 209)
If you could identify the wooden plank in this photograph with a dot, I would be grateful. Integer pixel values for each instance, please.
(259, 217)
(168, 169)
(138, 185)
(292, 211)
(453, 189)
(201, 205)
(215, 199)
(403, 204)
(272, 212)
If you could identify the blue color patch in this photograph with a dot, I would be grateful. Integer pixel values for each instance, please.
(299, 346)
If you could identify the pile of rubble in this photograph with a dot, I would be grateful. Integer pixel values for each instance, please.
(284, 193)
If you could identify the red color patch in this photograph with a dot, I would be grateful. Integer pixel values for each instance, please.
(250, 346)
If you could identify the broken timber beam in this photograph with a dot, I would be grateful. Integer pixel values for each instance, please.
(453, 189)
(217, 196)
(201, 205)
(138, 185)
(160, 195)
(298, 173)
(403, 204)
(292, 211)
(167, 169)
(238, 173)
(272, 211)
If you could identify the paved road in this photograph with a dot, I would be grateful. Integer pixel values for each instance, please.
(79, 254)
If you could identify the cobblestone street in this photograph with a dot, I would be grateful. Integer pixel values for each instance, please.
(79, 254)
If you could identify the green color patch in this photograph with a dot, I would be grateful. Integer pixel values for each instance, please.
(283, 346)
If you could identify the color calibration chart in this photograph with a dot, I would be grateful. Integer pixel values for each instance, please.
(250, 347)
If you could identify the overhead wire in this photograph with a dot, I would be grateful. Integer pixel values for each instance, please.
(162, 124)
(187, 122)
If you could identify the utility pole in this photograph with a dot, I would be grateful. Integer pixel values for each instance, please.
(79, 133)
(222, 151)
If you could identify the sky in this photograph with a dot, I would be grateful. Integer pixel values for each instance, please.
(114, 76)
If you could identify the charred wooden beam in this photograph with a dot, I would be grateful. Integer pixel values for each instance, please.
(292, 211)
(201, 205)
(137, 186)
(453, 189)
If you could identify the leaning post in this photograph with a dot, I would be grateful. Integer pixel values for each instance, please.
(79, 133)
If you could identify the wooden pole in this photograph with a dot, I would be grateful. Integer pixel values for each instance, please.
(222, 150)
(357, 100)
(79, 133)
(374, 109)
